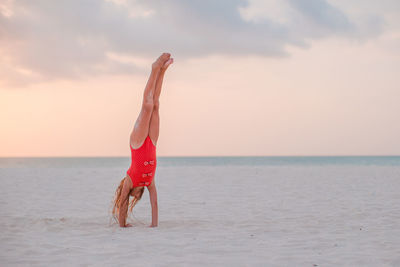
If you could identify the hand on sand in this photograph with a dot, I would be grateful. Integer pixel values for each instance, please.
(160, 61)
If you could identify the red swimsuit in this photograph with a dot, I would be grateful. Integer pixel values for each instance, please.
(144, 162)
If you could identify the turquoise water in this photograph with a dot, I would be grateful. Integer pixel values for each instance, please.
(124, 162)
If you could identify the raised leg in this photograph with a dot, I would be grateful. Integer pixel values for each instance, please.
(154, 129)
(141, 127)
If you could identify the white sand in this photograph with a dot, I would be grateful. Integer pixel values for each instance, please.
(208, 216)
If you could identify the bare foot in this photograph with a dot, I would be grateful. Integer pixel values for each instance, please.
(167, 63)
(160, 61)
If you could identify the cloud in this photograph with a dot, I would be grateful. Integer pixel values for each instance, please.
(45, 39)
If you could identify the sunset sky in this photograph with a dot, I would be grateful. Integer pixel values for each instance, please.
(272, 77)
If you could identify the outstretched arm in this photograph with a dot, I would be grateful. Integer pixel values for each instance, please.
(124, 202)
(154, 204)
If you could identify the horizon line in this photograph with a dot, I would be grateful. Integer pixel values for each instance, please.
(209, 156)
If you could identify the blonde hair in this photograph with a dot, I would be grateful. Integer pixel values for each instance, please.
(117, 199)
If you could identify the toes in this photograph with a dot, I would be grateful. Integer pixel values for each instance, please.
(168, 62)
(161, 60)
(165, 56)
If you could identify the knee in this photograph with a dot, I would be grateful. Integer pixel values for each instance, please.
(156, 105)
(148, 105)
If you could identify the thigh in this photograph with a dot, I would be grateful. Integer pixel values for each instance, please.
(141, 128)
(154, 129)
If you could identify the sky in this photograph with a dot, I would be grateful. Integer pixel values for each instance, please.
(250, 78)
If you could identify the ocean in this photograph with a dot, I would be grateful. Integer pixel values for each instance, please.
(123, 162)
(213, 211)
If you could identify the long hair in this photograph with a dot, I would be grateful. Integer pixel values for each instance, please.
(117, 200)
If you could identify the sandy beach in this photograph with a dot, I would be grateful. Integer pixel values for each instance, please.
(222, 215)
